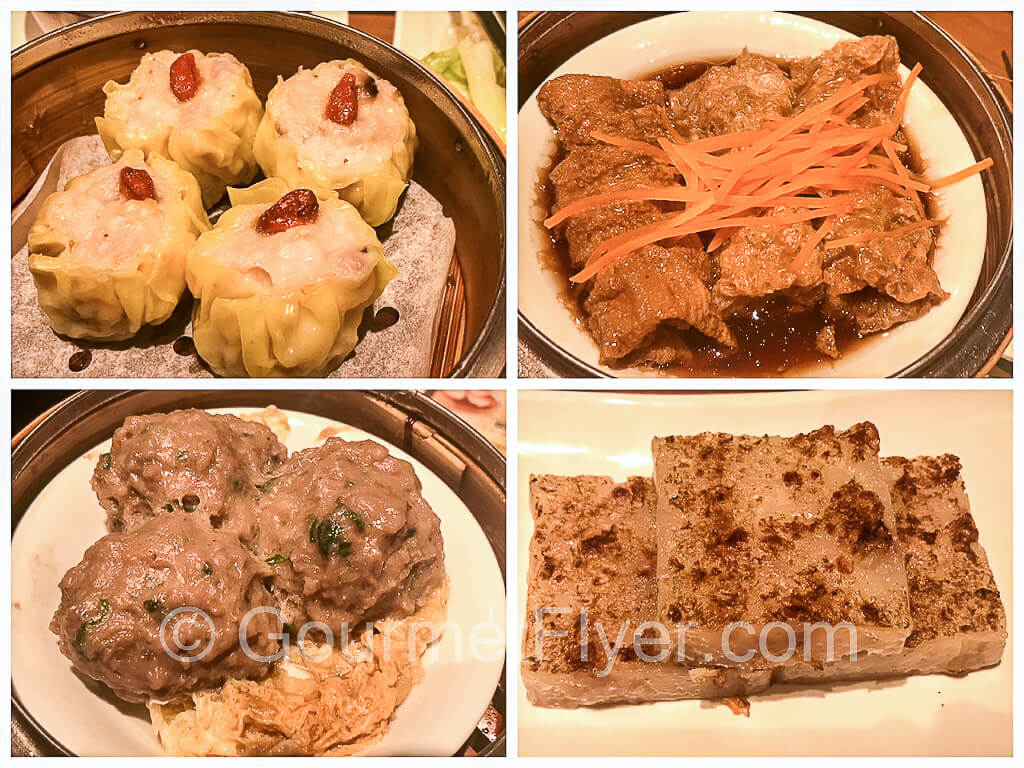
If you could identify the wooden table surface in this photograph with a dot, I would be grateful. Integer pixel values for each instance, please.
(380, 25)
(988, 37)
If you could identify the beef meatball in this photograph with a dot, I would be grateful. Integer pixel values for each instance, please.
(211, 467)
(349, 535)
(116, 617)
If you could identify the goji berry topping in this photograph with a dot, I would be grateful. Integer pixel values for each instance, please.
(298, 207)
(184, 77)
(343, 104)
(137, 184)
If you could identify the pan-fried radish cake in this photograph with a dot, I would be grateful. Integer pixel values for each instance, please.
(107, 253)
(794, 538)
(959, 622)
(339, 126)
(282, 280)
(199, 109)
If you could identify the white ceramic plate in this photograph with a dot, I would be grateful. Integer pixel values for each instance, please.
(669, 40)
(605, 433)
(65, 519)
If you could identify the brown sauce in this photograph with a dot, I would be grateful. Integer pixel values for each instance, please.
(676, 77)
(774, 339)
(554, 255)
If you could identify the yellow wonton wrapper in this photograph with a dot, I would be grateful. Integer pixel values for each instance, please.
(89, 299)
(216, 149)
(241, 330)
(373, 188)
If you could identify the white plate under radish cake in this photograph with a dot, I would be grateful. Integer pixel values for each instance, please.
(200, 110)
(339, 126)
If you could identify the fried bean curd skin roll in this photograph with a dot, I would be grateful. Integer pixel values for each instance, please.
(282, 280)
(339, 126)
(200, 110)
(107, 253)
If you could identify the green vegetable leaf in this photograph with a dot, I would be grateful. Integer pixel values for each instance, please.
(207, 569)
(154, 606)
(448, 64)
(265, 487)
(107, 462)
(95, 621)
(329, 538)
(276, 559)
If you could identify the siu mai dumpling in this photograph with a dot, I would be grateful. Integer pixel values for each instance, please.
(282, 280)
(200, 110)
(339, 126)
(108, 252)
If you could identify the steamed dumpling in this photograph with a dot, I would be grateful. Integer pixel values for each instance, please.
(108, 252)
(200, 110)
(339, 126)
(282, 280)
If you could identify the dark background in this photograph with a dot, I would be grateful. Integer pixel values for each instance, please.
(27, 404)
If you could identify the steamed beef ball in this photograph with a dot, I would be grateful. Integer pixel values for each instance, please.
(349, 535)
(114, 602)
(211, 467)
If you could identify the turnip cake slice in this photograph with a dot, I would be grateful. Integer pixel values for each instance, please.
(593, 553)
(958, 616)
(778, 534)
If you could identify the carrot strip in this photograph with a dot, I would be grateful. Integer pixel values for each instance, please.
(681, 195)
(846, 112)
(807, 249)
(666, 230)
(901, 102)
(945, 181)
(720, 237)
(903, 173)
(576, 207)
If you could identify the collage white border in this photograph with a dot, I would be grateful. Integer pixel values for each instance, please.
(512, 385)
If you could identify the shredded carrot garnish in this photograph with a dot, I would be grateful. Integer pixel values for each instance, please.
(901, 102)
(807, 250)
(903, 173)
(694, 225)
(945, 181)
(720, 237)
(805, 166)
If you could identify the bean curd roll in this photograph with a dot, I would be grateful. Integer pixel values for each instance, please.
(200, 110)
(108, 252)
(339, 126)
(282, 280)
